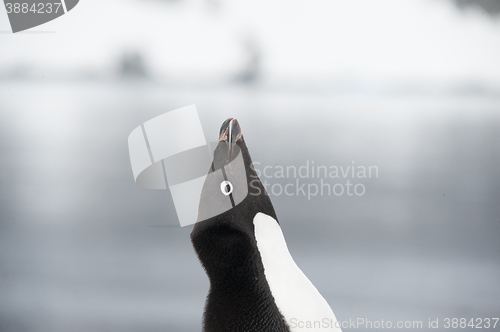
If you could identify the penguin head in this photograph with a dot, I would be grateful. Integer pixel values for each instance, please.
(231, 197)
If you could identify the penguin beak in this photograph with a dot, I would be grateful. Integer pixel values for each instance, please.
(230, 132)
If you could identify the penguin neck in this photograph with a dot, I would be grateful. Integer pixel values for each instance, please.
(228, 251)
(232, 265)
(239, 295)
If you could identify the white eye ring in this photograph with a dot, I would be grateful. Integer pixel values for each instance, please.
(223, 188)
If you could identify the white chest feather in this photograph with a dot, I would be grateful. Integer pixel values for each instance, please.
(297, 299)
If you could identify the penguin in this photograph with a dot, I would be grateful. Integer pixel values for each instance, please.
(255, 285)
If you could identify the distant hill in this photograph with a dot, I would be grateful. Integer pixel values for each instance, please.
(491, 7)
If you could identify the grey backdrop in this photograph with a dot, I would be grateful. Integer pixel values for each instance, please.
(82, 248)
(411, 88)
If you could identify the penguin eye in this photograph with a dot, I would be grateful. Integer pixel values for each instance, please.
(226, 187)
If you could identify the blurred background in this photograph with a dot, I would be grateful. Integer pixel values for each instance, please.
(412, 87)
